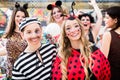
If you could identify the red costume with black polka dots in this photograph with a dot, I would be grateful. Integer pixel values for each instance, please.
(75, 70)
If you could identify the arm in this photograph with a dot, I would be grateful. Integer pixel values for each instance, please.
(17, 75)
(106, 40)
(98, 24)
(3, 50)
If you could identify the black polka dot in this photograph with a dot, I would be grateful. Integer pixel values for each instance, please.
(96, 72)
(69, 67)
(81, 67)
(67, 73)
(70, 62)
(96, 52)
(92, 64)
(79, 72)
(104, 77)
(55, 78)
(104, 68)
(79, 78)
(100, 55)
(59, 67)
(98, 67)
(74, 74)
(98, 60)
(72, 55)
(56, 72)
(93, 58)
(74, 66)
(73, 79)
(52, 66)
(78, 56)
(106, 62)
(76, 60)
(83, 61)
(106, 71)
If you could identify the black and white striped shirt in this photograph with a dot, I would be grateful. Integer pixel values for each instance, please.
(29, 67)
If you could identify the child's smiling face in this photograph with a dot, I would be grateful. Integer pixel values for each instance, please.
(32, 34)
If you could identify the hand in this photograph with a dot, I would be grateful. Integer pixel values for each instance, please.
(92, 2)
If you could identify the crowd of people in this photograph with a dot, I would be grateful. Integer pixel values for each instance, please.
(70, 51)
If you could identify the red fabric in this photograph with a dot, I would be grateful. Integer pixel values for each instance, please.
(100, 67)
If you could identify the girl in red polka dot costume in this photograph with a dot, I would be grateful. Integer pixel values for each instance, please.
(77, 58)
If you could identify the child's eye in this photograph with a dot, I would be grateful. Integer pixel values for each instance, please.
(28, 32)
(37, 31)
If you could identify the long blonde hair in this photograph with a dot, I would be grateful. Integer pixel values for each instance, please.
(65, 51)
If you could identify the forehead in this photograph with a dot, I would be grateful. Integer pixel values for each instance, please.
(32, 26)
(56, 9)
(85, 17)
(20, 13)
(71, 22)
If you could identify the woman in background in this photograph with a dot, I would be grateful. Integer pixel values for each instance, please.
(57, 16)
(111, 40)
(91, 31)
(12, 42)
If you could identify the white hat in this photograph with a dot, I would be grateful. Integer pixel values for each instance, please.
(28, 20)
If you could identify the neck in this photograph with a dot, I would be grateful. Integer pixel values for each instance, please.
(118, 30)
(75, 44)
(32, 48)
(60, 23)
(17, 29)
(86, 31)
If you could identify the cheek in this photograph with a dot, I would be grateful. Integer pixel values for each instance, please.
(16, 22)
(67, 33)
(26, 37)
(78, 30)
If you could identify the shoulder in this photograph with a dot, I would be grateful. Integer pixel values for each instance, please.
(19, 60)
(107, 34)
(97, 53)
(48, 45)
(57, 61)
(106, 37)
(48, 48)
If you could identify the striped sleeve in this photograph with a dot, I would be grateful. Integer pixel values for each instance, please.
(17, 75)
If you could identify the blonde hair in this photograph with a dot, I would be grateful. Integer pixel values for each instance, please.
(65, 51)
(63, 9)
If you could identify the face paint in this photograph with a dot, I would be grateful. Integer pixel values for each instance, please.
(74, 29)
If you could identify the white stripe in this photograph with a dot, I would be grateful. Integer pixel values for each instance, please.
(26, 60)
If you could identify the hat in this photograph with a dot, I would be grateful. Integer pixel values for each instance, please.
(28, 20)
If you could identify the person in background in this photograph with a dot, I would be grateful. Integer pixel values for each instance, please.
(57, 16)
(111, 40)
(35, 62)
(12, 42)
(92, 28)
(77, 58)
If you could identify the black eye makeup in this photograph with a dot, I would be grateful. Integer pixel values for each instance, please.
(56, 12)
(37, 31)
